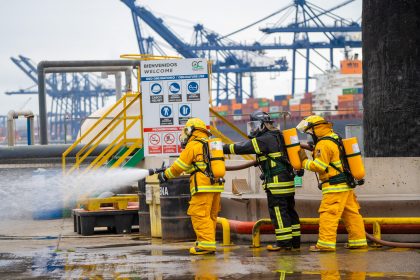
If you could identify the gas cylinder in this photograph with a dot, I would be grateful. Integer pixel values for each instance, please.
(292, 147)
(217, 158)
(354, 158)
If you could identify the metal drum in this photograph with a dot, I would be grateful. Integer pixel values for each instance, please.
(174, 202)
(144, 213)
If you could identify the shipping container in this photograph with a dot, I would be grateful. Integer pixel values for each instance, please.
(295, 107)
(351, 66)
(347, 97)
(352, 91)
(280, 97)
(236, 106)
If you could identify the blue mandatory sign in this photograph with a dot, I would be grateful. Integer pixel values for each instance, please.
(166, 111)
(184, 110)
(156, 88)
(174, 88)
(192, 87)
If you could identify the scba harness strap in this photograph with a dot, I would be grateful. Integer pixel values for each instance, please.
(344, 175)
(208, 172)
(280, 159)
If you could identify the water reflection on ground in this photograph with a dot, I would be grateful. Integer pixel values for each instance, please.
(172, 261)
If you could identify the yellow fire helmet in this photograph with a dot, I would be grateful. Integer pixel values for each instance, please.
(311, 121)
(190, 126)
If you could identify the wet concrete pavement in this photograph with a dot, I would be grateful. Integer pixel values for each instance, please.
(50, 250)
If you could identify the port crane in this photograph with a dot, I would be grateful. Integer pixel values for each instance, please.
(230, 68)
(74, 97)
(236, 58)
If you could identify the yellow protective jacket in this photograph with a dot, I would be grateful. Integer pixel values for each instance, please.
(326, 152)
(190, 159)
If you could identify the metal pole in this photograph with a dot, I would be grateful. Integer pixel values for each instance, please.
(10, 131)
(307, 72)
(293, 72)
(42, 103)
(117, 85)
(70, 66)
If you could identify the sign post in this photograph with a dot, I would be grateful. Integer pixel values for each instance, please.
(174, 90)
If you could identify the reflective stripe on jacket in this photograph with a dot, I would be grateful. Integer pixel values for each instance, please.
(326, 152)
(269, 152)
(193, 153)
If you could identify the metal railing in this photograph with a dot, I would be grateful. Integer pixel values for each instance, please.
(121, 140)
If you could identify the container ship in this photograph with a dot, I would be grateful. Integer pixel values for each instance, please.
(338, 97)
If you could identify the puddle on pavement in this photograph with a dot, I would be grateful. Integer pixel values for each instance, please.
(159, 262)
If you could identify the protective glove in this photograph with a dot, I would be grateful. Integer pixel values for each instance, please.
(302, 155)
(162, 177)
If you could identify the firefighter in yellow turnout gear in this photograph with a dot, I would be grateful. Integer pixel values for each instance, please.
(205, 191)
(338, 198)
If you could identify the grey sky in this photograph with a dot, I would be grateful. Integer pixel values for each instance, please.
(103, 29)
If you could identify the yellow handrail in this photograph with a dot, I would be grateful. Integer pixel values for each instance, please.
(117, 117)
(126, 154)
(228, 123)
(227, 140)
(78, 140)
(108, 152)
(88, 148)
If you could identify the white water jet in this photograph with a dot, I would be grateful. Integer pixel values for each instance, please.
(45, 190)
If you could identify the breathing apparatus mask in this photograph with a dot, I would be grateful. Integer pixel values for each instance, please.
(309, 124)
(185, 135)
(255, 128)
(257, 124)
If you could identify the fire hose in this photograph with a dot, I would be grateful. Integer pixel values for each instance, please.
(392, 244)
(255, 163)
(368, 236)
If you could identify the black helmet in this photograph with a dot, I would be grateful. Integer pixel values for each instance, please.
(260, 116)
(256, 127)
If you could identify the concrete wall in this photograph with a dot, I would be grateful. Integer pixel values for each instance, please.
(392, 188)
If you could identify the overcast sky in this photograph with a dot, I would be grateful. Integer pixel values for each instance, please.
(103, 29)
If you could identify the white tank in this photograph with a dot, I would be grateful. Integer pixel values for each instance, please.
(133, 132)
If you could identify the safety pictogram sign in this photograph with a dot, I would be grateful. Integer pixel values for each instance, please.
(154, 146)
(193, 91)
(166, 115)
(169, 143)
(169, 138)
(173, 91)
(154, 139)
(156, 92)
(184, 113)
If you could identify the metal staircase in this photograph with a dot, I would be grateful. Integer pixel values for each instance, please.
(122, 151)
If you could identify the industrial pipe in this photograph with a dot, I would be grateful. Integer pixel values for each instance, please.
(59, 66)
(11, 116)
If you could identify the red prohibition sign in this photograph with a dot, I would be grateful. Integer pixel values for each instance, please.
(169, 138)
(154, 139)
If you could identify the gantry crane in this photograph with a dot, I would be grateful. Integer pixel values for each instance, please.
(74, 97)
(227, 63)
(308, 18)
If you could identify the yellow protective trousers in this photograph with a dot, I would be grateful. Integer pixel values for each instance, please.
(333, 207)
(204, 208)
